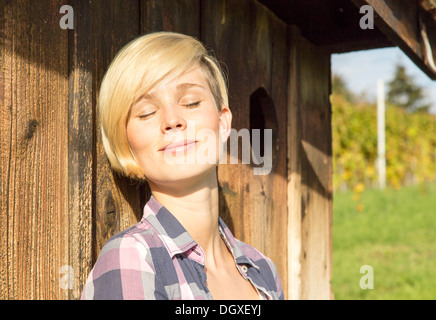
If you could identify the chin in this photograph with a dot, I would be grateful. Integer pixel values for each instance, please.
(183, 173)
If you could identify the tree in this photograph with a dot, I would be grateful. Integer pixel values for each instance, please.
(339, 87)
(405, 93)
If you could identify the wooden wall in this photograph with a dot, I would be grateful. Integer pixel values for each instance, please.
(60, 201)
(310, 189)
(34, 216)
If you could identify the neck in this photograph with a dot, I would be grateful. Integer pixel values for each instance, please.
(196, 207)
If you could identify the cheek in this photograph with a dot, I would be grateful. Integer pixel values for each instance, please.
(132, 136)
(137, 137)
(209, 133)
(210, 120)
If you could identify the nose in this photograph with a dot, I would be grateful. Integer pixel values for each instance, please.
(172, 120)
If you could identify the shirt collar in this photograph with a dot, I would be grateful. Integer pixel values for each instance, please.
(177, 239)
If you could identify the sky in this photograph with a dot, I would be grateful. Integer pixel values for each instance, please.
(362, 69)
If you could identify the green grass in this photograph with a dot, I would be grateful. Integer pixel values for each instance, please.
(395, 233)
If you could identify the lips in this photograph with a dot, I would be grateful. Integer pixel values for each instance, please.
(179, 146)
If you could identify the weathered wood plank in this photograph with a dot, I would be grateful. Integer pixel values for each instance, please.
(294, 168)
(251, 43)
(309, 170)
(118, 201)
(33, 155)
(168, 15)
(277, 219)
(5, 142)
(429, 6)
(5, 117)
(81, 113)
(333, 24)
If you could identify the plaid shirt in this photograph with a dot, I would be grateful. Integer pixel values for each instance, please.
(158, 259)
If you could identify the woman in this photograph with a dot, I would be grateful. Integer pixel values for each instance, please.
(164, 118)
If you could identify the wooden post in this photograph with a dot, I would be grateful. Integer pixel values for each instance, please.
(381, 140)
(309, 170)
(81, 156)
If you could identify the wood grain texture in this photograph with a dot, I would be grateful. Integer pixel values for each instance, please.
(332, 24)
(81, 123)
(5, 154)
(309, 170)
(118, 201)
(251, 43)
(34, 140)
(166, 15)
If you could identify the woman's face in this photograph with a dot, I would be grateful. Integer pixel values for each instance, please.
(174, 130)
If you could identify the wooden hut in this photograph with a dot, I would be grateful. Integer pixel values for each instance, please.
(59, 199)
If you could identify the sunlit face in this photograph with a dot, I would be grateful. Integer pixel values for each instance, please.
(175, 127)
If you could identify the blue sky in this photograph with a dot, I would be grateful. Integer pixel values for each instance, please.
(362, 69)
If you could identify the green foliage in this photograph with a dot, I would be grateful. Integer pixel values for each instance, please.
(404, 93)
(410, 145)
(340, 87)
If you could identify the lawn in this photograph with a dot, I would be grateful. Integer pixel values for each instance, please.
(394, 232)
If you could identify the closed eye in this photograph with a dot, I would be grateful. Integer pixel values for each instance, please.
(194, 104)
(145, 116)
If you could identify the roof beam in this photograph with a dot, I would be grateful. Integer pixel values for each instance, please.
(399, 20)
(332, 24)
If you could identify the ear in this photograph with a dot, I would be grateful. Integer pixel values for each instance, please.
(225, 122)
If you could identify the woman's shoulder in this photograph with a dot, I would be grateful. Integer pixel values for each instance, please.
(140, 236)
(124, 268)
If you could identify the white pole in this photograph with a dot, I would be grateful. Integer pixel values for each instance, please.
(381, 139)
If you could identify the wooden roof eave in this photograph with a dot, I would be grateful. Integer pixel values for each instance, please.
(407, 25)
(334, 25)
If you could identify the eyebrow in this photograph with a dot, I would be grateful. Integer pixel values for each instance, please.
(179, 87)
(185, 86)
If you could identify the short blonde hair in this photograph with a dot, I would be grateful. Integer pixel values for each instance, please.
(135, 70)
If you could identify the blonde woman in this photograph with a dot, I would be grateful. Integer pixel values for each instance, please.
(164, 118)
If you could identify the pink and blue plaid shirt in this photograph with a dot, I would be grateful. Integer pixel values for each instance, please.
(158, 259)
